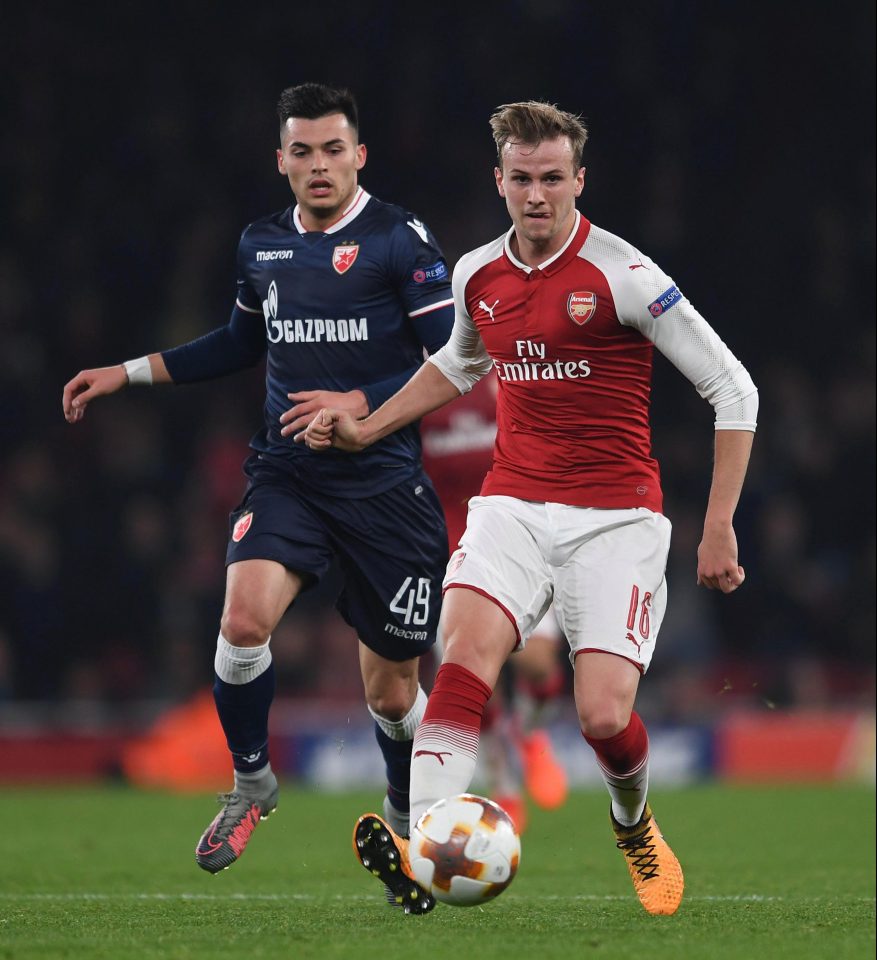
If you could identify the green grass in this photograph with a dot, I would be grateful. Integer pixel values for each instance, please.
(108, 874)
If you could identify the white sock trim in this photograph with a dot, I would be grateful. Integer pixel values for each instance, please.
(405, 728)
(238, 665)
(628, 793)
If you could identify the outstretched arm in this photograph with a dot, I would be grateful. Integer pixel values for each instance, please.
(239, 344)
(88, 385)
(717, 566)
(426, 391)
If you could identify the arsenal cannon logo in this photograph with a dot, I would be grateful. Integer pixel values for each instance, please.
(581, 306)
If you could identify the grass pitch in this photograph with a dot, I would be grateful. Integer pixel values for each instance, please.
(109, 874)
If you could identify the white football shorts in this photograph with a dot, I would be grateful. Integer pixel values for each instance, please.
(603, 570)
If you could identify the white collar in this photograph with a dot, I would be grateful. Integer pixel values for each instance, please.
(552, 258)
(354, 209)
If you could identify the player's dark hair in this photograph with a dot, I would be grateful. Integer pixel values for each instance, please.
(310, 101)
(533, 121)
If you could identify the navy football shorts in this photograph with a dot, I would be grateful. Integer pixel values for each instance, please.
(392, 550)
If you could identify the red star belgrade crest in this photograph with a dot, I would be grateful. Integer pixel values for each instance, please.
(240, 528)
(581, 306)
(344, 255)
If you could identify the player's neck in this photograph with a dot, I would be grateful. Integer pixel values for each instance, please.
(321, 219)
(316, 221)
(533, 253)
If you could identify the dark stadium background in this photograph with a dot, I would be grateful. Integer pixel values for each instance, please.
(734, 143)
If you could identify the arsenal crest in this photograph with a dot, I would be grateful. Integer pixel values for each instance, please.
(240, 528)
(456, 561)
(581, 306)
(343, 256)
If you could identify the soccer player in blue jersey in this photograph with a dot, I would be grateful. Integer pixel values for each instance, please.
(344, 293)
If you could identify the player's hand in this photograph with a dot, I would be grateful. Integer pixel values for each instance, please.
(88, 385)
(307, 403)
(332, 428)
(717, 567)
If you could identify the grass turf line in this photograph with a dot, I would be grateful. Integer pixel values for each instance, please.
(109, 873)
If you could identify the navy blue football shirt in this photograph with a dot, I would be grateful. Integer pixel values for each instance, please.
(353, 307)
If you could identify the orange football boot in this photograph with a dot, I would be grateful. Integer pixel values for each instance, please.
(653, 867)
(544, 775)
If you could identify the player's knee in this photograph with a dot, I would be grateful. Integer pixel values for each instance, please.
(602, 720)
(391, 704)
(242, 629)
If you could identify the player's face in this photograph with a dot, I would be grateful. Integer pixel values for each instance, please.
(540, 185)
(321, 159)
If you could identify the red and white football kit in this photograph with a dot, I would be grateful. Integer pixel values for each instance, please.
(571, 507)
(458, 441)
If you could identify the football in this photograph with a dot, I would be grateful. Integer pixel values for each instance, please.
(464, 850)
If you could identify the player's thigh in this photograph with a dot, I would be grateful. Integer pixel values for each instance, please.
(610, 595)
(501, 556)
(477, 633)
(605, 687)
(257, 594)
(393, 551)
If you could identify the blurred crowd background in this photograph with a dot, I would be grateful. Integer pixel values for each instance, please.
(733, 143)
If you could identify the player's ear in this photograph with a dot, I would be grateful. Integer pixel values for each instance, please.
(361, 153)
(580, 181)
(498, 175)
(280, 165)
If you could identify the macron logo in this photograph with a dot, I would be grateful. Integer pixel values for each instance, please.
(273, 255)
(418, 228)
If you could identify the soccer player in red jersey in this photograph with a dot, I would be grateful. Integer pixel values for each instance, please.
(514, 744)
(568, 315)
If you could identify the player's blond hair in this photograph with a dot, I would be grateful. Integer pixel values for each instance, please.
(533, 121)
